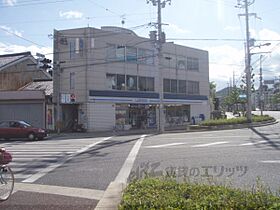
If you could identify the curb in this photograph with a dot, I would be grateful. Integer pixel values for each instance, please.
(235, 126)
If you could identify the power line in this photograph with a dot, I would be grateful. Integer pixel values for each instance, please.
(14, 34)
(34, 4)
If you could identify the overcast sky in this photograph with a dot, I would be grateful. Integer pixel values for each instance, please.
(212, 25)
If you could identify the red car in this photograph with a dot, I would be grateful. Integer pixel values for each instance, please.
(20, 129)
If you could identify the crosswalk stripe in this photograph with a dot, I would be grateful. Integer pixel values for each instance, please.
(31, 158)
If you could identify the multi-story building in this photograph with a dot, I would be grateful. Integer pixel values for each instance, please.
(110, 76)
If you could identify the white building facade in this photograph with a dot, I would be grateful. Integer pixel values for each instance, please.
(110, 77)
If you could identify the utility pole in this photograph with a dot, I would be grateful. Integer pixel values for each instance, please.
(56, 72)
(160, 4)
(261, 87)
(248, 58)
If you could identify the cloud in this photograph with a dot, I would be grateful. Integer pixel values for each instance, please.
(232, 28)
(223, 61)
(176, 29)
(10, 31)
(71, 14)
(9, 2)
(9, 49)
(226, 59)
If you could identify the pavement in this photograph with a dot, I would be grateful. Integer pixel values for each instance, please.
(109, 199)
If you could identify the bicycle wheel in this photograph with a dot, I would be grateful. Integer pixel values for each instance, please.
(6, 182)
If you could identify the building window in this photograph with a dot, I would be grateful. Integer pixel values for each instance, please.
(111, 81)
(181, 64)
(120, 82)
(72, 49)
(166, 86)
(120, 53)
(131, 54)
(115, 52)
(76, 48)
(173, 86)
(150, 84)
(150, 57)
(131, 82)
(193, 87)
(72, 80)
(146, 84)
(192, 64)
(145, 56)
(182, 86)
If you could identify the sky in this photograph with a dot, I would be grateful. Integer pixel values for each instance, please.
(212, 25)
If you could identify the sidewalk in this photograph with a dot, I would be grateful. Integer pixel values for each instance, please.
(186, 129)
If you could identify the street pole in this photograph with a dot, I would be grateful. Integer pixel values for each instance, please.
(160, 5)
(248, 66)
(159, 48)
(261, 87)
(57, 73)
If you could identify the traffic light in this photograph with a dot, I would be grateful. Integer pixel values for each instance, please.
(44, 63)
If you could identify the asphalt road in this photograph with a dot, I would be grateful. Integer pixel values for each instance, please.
(74, 173)
(238, 157)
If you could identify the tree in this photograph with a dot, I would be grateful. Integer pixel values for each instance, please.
(233, 99)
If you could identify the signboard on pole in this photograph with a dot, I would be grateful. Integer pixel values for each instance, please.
(269, 82)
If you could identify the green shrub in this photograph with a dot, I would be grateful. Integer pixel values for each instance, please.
(158, 193)
(238, 120)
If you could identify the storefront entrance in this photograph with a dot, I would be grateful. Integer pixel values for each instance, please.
(136, 116)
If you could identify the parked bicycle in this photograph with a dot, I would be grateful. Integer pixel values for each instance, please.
(6, 175)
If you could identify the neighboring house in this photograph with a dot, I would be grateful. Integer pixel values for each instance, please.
(108, 77)
(47, 87)
(18, 69)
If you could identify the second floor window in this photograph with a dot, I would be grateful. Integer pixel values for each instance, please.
(129, 54)
(192, 64)
(76, 48)
(72, 80)
(129, 82)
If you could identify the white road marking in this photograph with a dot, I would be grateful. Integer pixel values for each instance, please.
(43, 172)
(270, 161)
(59, 190)
(210, 144)
(164, 145)
(128, 164)
(113, 193)
(253, 143)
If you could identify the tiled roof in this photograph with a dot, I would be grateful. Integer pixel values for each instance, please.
(47, 86)
(9, 58)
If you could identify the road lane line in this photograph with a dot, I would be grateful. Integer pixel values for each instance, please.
(164, 145)
(270, 161)
(51, 167)
(253, 143)
(210, 144)
(128, 164)
(113, 193)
